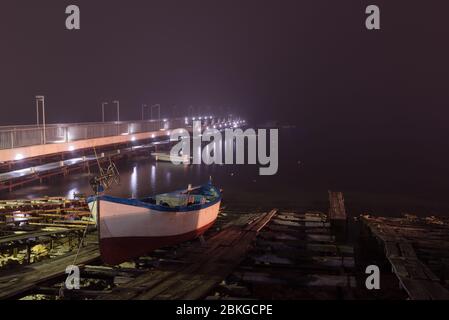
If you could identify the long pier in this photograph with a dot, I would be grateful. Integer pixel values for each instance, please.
(70, 147)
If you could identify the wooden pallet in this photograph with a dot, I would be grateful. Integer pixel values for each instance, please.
(399, 236)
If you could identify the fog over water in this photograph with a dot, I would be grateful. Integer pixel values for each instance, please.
(306, 172)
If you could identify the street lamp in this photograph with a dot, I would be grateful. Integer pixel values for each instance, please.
(158, 106)
(42, 100)
(118, 109)
(143, 110)
(102, 110)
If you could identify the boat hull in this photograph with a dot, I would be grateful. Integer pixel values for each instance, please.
(128, 231)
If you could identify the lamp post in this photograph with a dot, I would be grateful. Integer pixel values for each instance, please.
(158, 106)
(42, 100)
(118, 109)
(143, 111)
(102, 110)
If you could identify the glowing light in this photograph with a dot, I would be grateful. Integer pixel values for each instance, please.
(168, 133)
(133, 182)
(71, 148)
(125, 133)
(165, 120)
(19, 156)
(153, 135)
(133, 139)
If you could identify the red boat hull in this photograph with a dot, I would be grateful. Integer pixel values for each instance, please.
(117, 250)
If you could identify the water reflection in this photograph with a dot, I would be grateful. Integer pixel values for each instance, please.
(153, 177)
(133, 184)
(71, 193)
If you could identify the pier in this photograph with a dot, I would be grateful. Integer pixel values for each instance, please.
(36, 153)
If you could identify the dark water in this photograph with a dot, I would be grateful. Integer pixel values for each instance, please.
(373, 180)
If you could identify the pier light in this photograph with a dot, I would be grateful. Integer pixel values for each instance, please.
(193, 118)
(168, 133)
(215, 127)
(19, 156)
(153, 135)
(200, 118)
(71, 148)
(133, 138)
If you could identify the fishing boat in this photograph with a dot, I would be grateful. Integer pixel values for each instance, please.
(129, 228)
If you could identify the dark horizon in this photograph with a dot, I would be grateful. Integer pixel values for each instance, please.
(310, 63)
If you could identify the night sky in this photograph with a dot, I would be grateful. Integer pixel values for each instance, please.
(371, 102)
(312, 63)
(308, 62)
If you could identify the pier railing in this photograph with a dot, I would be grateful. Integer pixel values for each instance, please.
(24, 136)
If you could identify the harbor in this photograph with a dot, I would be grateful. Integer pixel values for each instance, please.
(254, 250)
(218, 160)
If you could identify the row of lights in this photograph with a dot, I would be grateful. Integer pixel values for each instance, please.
(235, 124)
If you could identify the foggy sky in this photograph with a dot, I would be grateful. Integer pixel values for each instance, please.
(309, 62)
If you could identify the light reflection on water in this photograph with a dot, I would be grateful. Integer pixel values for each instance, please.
(306, 173)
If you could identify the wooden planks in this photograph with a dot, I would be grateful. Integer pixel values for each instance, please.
(398, 238)
(209, 266)
(337, 209)
(29, 277)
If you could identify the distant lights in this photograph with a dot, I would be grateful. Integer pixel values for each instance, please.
(165, 120)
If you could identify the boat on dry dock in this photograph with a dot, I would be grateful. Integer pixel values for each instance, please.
(129, 228)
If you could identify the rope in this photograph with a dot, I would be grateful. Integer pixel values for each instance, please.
(61, 289)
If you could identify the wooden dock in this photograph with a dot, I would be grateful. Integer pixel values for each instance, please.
(209, 265)
(417, 249)
(248, 254)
